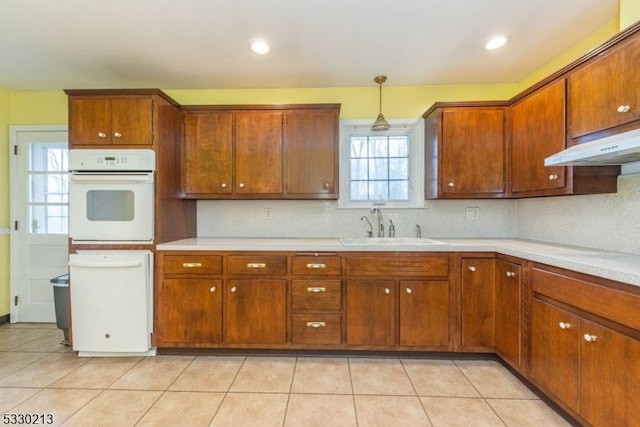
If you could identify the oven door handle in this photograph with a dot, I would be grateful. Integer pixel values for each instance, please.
(123, 264)
(111, 178)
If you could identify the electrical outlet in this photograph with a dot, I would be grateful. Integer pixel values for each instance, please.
(268, 213)
(473, 213)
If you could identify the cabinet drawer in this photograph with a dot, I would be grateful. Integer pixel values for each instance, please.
(192, 264)
(313, 329)
(316, 265)
(613, 304)
(398, 264)
(316, 294)
(256, 264)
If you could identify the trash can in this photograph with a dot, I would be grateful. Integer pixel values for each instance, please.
(61, 304)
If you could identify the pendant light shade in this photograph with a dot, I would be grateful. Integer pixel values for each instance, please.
(380, 124)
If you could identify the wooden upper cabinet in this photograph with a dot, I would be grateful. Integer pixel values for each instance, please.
(111, 120)
(465, 152)
(266, 152)
(538, 131)
(604, 93)
(311, 139)
(208, 154)
(258, 152)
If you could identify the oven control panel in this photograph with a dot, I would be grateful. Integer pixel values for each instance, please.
(111, 160)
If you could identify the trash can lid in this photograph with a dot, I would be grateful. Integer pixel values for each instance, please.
(62, 280)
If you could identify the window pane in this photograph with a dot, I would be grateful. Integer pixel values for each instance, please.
(378, 190)
(398, 168)
(49, 219)
(378, 169)
(398, 146)
(359, 169)
(359, 190)
(398, 190)
(378, 147)
(358, 147)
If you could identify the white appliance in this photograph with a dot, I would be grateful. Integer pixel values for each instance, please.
(111, 196)
(611, 150)
(112, 303)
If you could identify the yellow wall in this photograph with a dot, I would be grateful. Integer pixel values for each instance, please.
(4, 201)
(629, 12)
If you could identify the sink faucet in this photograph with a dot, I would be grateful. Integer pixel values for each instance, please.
(392, 229)
(370, 231)
(380, 220)
(418, 231)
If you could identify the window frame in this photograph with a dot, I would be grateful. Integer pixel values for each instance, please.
(414, 130)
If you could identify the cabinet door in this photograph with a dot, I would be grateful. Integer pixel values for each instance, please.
(555, 363)
(255, 311)
(189, 311)
(371, 312)
(89, 121)
(538, 131)
(507, 320)
(311, 138)
(258, 152)
(208, 139)
(609, 372)
(472, 151)
(424, 313)
(478, 301)
(132, 120)
(599, 91)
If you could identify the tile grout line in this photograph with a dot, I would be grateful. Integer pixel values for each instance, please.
(416, 392)
(353, 393)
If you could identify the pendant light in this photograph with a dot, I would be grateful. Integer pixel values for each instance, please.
(380, 124)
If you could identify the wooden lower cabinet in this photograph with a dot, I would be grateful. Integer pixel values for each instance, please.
(508, 312)
(371, 312)
(255, 311)
(424, 313)
(587, 367)
(189, 311)
(478, 303)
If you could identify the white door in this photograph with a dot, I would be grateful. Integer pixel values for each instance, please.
(39, 219)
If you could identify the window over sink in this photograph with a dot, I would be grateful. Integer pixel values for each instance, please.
(382, 168)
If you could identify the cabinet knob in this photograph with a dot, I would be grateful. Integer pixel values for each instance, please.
(409, 290)
(326, 185)
(511, 274)
(624, 108)
(590, 338)
(256, 265)
(316, 289)
(553, 177)
(117, 134)
(451, 185)
(564, 325)
(212, 289)
(234, 289)
(102, 135)
(387, 291)
(472, 268)
(241, 185)
(223, 185)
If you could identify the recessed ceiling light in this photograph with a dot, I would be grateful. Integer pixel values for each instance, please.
(496, 42)
(260, 47)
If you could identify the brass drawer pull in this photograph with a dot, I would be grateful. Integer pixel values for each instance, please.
(256, 265)
(316, 324)
(192, 264)
(316, 265)
(316, 289)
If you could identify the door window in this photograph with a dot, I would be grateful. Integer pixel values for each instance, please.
(48, 188)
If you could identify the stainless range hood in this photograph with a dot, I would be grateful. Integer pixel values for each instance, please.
(611, 150)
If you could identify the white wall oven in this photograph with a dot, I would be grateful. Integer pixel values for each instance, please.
(111, 196)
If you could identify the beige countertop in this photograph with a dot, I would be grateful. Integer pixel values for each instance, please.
(622, 267)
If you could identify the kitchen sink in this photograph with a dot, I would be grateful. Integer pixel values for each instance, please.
(389, 241)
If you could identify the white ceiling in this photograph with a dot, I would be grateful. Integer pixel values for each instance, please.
(195, 44)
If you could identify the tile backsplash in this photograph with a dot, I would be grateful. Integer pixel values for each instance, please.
(609, 221)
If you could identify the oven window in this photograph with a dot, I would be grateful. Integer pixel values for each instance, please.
(110, 205)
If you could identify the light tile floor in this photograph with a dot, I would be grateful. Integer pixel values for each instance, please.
(40, 376)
